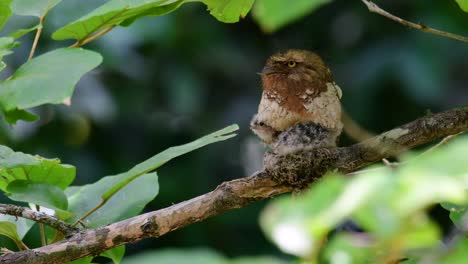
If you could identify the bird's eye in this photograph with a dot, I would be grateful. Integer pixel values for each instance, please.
(292, 64)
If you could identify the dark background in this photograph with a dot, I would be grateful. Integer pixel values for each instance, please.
(169, 80)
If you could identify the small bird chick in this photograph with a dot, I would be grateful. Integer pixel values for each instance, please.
(300, 106)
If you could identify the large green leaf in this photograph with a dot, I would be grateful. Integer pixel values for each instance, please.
(42, 194)
(49, 78)
(115, 254)
(21, 166)
(229, 11)
(273, 14)
(5, 12)
(124, 12)
(8, 229)
(161, 158)
(127, 203)
(463, 4)
(33, 7)
(114, 13)
(22, 225)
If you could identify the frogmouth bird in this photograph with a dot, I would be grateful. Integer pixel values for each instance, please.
(300, 106)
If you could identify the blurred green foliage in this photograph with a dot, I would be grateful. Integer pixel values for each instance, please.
(166, 80)
(388, 204)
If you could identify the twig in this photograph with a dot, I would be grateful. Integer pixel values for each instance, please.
(241, 192)
(66, 229)
(82, 42)
(353, 129)
(420, 26)
(37, 36)
(442, 142)
(41, 229)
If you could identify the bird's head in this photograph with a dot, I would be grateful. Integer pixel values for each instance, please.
(294, 70)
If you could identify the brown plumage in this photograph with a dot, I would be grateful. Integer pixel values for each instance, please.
(298, 88)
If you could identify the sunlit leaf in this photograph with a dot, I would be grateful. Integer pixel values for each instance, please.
(41, 194)
(6, 44)
(273, 14)
(8, 229)
(46, 79)
(5, 12)
(349, 248)
(463, 4)
(457, 253)
(33, 7)
(21, 32)
(229, 11)
(21, 166)
(286, 220)
(114, 13)
(115, 254)
(22, 225)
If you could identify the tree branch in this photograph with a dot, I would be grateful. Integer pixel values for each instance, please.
(282, 174)
(66, 229)
(420, 26)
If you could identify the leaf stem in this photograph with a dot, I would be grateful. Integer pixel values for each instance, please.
(94, 209)
(82, 42)
(38, 35)
(41, 229)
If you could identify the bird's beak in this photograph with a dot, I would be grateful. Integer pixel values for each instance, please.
(268, 70)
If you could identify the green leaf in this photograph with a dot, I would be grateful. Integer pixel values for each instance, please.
(256, 260)
(463, 4)
(33, 7)
(21, 32)
(161, 158)
(127, 203)
(15, 115)
(21, 166)
(49, 78)
(81, 261)
(274, 14)
(349, 248)
(458, 253)
(9, 230)
(115, 254)
(420, 232)
(42, 194)
(286, 220)
(229, 11)
(177, 256)
(113, 13)
(22, 225)
(5, 12)
(6, 44)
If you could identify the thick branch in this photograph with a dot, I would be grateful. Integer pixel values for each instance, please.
(420, 26)
(39, 217)
(302, 167)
